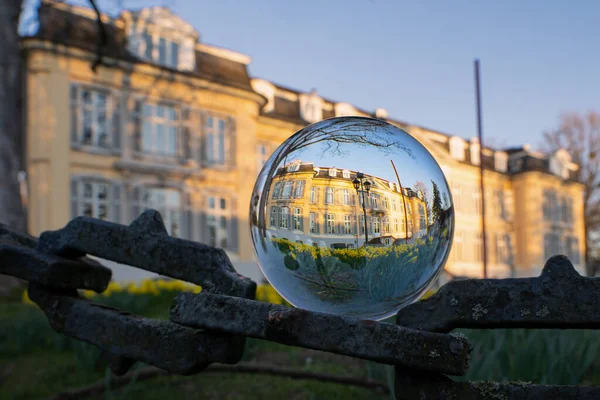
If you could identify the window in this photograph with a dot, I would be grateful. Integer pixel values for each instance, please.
(293, 167)
(477, 201)
(375, 200)
(572, 249)
(168, 203)
(478, 248)
(500, 161)
(385, 202)
(566, 210)
(215, 141)
(285, 217)
(161, 50)
(95, 199)
(385, 225)
(395, 224)
(218, 221)
(329, 196)
(376, 225)
(330, 220)
(298, 219)
(394, 204)
(551, 245)
(287, 190)
(347, 225)
(422, 217)
(457, 247)
(274, 216)
(314, 195)
(346, 174)
(160, 130)
(362, 224)
(332, 172)
(346, 197)
(456, 197)
(314, 223)
(499, 206)
(299, 189)
(549, 207)
(503, 255)
(277, 190)
(90, 122)
(262, 155)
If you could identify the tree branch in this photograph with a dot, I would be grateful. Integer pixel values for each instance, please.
(102, 37)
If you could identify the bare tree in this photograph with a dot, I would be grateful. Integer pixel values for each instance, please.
(579, 134)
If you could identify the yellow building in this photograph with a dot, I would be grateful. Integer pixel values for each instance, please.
(174, 124)
(320, 205)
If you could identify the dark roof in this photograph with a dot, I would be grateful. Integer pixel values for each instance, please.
(286, 110)
(70, 29)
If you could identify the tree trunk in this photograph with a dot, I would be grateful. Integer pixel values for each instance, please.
(11, 135)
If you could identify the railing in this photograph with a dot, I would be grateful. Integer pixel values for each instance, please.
(211, 327)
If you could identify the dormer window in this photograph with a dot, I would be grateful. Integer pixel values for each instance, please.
(346, 174)
(345, 110)
(293, 167)
(559, 163)
(311, 107)
(457, 148)
(161, 50)
(500, 161)
(474, 150)
(332, 172)
(158, 36)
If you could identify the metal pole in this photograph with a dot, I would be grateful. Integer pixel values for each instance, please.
(365, 212)
(481, 184)
(403, 203)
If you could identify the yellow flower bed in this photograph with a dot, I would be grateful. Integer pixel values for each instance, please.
(154, 287)
(148, 286)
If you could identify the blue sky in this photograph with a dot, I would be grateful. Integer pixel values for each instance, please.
(538, 58)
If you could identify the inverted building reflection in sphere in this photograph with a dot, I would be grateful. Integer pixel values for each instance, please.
(351, 216)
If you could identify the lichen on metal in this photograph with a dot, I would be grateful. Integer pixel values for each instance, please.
(559, 298)
(376, 341)
(146, 244)
(161, 343)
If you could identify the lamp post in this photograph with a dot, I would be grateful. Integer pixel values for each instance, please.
(363, 186)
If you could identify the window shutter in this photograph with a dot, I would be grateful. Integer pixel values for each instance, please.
(135, 202)
(116, 203)
(75, 118)
(233, 227)
(116, 119)
(74, 197)
(137, 121)
(202, 150)
(187, 224)
(231, 140)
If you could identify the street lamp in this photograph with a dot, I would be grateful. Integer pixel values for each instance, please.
(363, 187)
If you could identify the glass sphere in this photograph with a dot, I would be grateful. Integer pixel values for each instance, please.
(351, 216)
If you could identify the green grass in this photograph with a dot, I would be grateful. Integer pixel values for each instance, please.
(36, 362)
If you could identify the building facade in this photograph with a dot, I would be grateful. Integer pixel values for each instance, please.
(170, 123)
(319, 205)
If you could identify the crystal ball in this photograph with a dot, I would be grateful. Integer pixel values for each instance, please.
(351, 216)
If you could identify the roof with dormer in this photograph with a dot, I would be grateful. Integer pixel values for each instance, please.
(75, 26)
